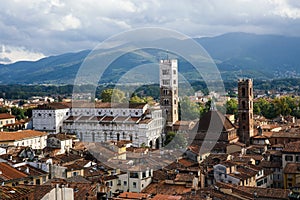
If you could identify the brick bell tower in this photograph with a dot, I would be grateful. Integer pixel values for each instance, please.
(168, 75)
(245, 110)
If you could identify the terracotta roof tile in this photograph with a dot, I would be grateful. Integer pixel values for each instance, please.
(292, 168)
(133, 195)
(166, 197)
(10, 173)
(9, 192)
(292, 147)
(6, 116)
(20, 135)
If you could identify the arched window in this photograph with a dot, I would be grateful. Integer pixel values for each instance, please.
(118, 136)
(105, 136)
(243, 92)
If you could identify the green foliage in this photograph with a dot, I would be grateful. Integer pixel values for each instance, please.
(136, 99)
(175, 140)
(189, 110)
(3, 110)
(232, 107)
(272, 108)
(18, 112)
(113, 95)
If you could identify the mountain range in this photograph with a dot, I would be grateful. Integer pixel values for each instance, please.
(235, 54)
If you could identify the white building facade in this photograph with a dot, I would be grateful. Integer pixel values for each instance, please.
(50, 117)
(140, 123)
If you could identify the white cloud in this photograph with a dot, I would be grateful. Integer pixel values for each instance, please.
(56, 26)
(67, 22)
(10, 54)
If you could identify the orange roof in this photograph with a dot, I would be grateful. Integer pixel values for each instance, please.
(166, 197)
(9, 173)
(6, 116)
(20, 135)
(133, 195)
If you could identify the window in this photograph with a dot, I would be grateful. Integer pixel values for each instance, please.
(165, 71)
(174, 81)
(166, 101)
(166, 82)
(174, 71)
(134, 175)
(244, 116)
(297, 158)
(243, 92)
(259, 183)
(125, 183)
(288, 158)
(144, 174)
(37, 182)
(134, 184)
(165, 92)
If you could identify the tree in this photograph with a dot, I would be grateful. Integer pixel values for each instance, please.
(113, 95)
(136, 99)
(3, 110)
(175, 140)
(18, 112)
(189, 110)
(232, 107)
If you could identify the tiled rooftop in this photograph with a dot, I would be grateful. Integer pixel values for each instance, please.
(8, 192)
(20, 135)
(6, 116)
(10, 173)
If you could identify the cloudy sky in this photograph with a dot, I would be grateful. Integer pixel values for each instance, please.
(31, 29)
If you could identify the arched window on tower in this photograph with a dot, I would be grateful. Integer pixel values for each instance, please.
(243, 92)
(166, 101)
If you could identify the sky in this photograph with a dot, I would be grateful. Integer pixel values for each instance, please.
(32, 29)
